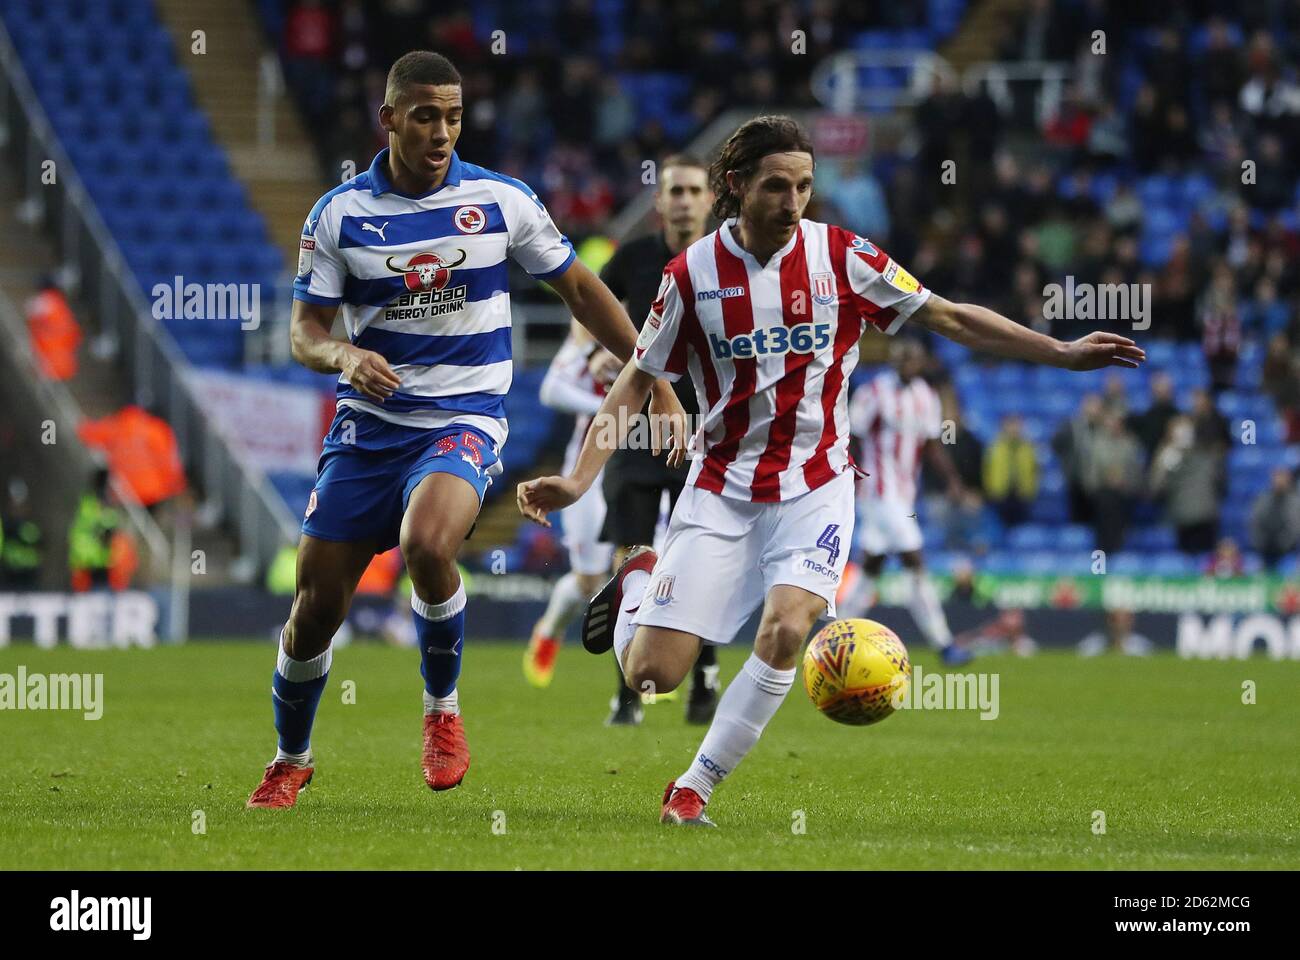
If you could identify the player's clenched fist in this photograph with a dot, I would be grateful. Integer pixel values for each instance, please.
(539, 497)
(370, 373)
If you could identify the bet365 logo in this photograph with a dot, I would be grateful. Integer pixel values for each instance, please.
(772, 341)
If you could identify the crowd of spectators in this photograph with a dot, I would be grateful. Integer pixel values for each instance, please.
(1165, 168)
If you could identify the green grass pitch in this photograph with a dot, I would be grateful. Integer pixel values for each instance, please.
(1185, 773)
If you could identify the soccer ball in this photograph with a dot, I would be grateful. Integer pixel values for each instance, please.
(852, 670)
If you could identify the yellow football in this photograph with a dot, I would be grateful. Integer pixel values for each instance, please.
(854, 671)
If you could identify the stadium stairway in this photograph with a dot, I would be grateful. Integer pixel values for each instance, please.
(981, 31)
(283, 177)
(97, 389)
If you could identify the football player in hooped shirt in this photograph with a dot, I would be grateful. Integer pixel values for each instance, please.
(413, 251)
(765, 314)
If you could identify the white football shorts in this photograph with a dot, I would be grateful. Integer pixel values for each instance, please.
(582, 521)
(887, 525)
(722, 556)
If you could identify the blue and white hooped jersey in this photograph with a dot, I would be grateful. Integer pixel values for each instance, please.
(422, 281)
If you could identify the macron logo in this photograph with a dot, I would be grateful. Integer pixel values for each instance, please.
(75, 913)
(722, 294)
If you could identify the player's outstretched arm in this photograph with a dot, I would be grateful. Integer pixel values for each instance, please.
(595, 307)
(981, 329)
(312, 346)
(537, 498)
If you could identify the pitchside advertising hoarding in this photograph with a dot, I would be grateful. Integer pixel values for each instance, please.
(1228, 618)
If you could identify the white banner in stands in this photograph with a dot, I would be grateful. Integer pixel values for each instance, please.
(83, 620)
(274, 427)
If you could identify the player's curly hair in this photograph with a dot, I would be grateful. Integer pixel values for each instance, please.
(745, 150)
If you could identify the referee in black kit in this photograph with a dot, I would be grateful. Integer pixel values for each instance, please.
(635, 480)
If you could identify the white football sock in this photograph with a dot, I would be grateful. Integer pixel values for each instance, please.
(299, 759)
(624, 629)
(566, 603)
(927, 611)
(748, 703)
(447, 704)
(299, 671)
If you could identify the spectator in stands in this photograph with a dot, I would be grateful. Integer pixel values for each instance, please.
(1112, 477)
(1220, 325)
(1073, 445)
(1114, 396)
(141, 450)
(1275, 519)
(1118, 636)
(54, 331)
(966, 521)
(1265, 314)
(91, 535)
(1226, 560)
(1281, 381)
(1152, 424)
(308, 48)
(1211, 426)
(1187, 473)
(21, 541)
(1011, 472)
(1222, 68)
(856, 196)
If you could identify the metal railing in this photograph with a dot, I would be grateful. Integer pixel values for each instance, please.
(76, 464)
(837, 81)
(842, 82)
(149, 358)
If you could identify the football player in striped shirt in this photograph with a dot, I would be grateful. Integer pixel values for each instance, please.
(895, 418)
(571, 386)
(413, 254)
(765, 313)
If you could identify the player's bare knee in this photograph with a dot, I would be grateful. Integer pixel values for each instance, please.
(315, 618)
(780, 638)
(644, 675)
(429, 558)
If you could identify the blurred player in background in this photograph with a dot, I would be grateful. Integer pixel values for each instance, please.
(635, 481)
(575, 383)
(766, 314)
(414, 253)
(895, 418)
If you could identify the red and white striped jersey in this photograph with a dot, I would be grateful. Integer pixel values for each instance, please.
(893, 420)
(570, 388)
(770, 348)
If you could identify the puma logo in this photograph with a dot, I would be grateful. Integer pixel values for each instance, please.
(373, 229)
(291, 704)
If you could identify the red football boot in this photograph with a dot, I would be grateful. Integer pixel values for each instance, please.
(683, 806)
(280, 785)
(446, 754)
(539, 660)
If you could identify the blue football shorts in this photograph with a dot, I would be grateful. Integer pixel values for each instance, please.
(369, 467)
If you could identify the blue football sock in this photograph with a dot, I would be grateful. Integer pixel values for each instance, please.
(296, 687)
(440, 628)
